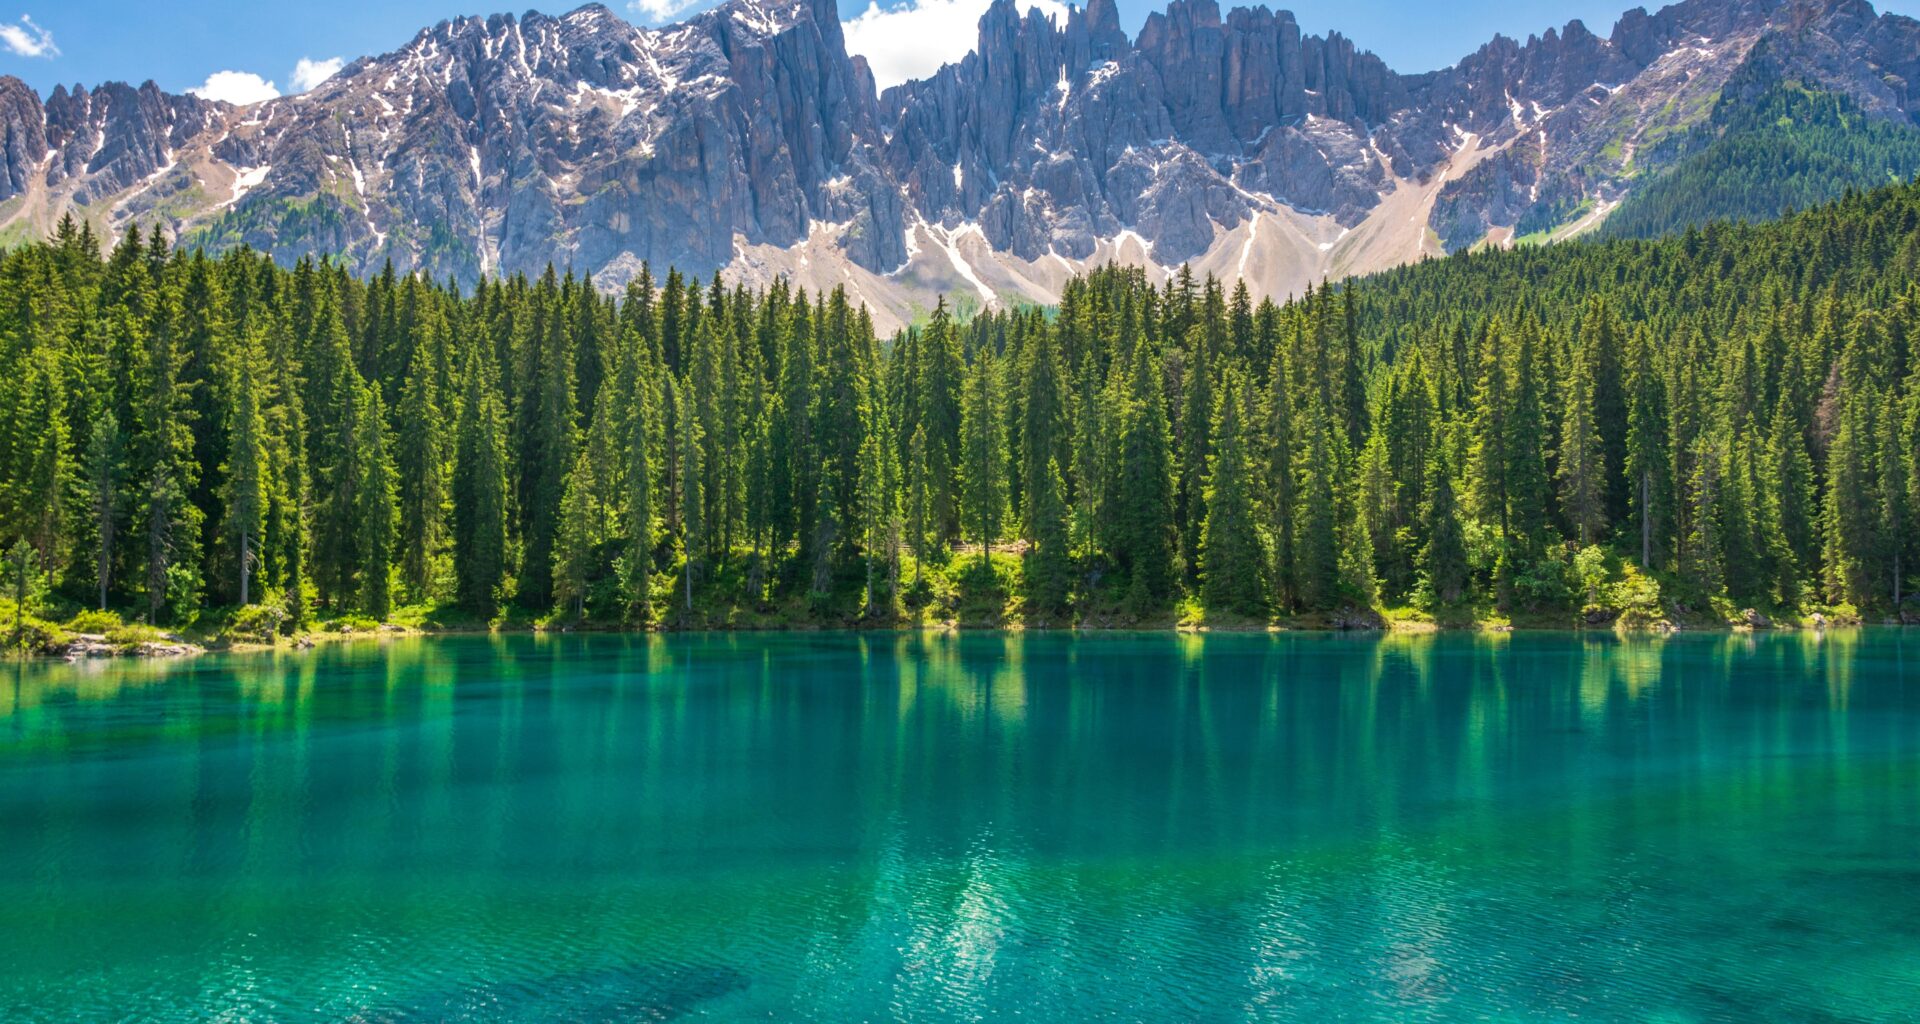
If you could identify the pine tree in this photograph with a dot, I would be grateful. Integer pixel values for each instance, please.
(1851, 519)
(1142, 539)
(1896, 524)
(1582, 456)
(1646, 450)
(551, 438)
(374, 507)
(1234, 555)
(937, 400)
(105, 468)
(421, 465)
(42, 476)
(167, 470)
(641, 517)
(1318, 572)
(692, 498)
(1194, 444)
(919, 510)
(1282, 492)
(1528, 487)
(1048, 568)
(1444, 560)
(983, 485)
(579, 533)
(879, 504)
(479, 489)
(246, 471)
(1044, 433)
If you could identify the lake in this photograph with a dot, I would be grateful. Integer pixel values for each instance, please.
(847, 827)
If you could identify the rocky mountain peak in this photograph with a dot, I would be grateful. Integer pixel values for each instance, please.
(747, 140)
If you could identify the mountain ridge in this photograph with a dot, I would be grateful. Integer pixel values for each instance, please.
(747, 141)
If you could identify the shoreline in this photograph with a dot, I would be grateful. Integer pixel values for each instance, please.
(89, 647)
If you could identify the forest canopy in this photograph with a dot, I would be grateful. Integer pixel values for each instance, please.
(1722, 419)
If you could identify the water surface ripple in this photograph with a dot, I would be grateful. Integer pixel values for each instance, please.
(1541, 827)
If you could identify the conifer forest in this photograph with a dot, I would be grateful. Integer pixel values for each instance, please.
(1608, 430)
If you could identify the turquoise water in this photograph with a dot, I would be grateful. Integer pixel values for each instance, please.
(984, 827)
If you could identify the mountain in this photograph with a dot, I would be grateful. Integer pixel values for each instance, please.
(748, 141)
(1772, 145)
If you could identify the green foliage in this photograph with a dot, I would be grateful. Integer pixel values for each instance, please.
(1636, 596)
(1760, 156)
(1723, 419)
(93, 621)
(255, 623)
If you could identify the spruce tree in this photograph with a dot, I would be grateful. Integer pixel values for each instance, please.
(579, 533)
(246, 471)
(1195, 444)
(1142, 490)
(167, 470)
(1318, 554)
(1045, 438)
(1282, 490)
(983, 485)
(479, 490)
(1444, 559)
(1582, 456)
(937, 399)
(420, 431)
(1233, 571)
(1048, 567)
(105, 469)
(689, 453)
(641, 516)
(1646, 451)
(919, 507)
(374, 507)
(551, 438)
(43, 474)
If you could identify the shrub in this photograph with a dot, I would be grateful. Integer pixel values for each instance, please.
(29, 634)
(1591, 573)
(255, 623)
(132, 633)
(94, 621)
(1543, 582)
(1636, 596)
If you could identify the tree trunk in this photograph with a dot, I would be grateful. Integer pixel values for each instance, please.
(104, 565)
(1646, 522)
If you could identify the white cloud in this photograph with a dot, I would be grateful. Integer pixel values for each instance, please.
(914, 39)
(237, 87)
(31, 41)
(657, 11)
(308, 72)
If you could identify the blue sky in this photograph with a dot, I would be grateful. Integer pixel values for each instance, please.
(236, 48)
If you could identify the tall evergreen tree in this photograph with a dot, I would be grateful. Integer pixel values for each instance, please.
(1582, 455)
(479, 490)
(1234, 554)
(983, 485)
(1141, 533)
(421, 461)
(374, 507)
(246, 471)
(1444, 559)
(1048, 570)
(579, 534)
